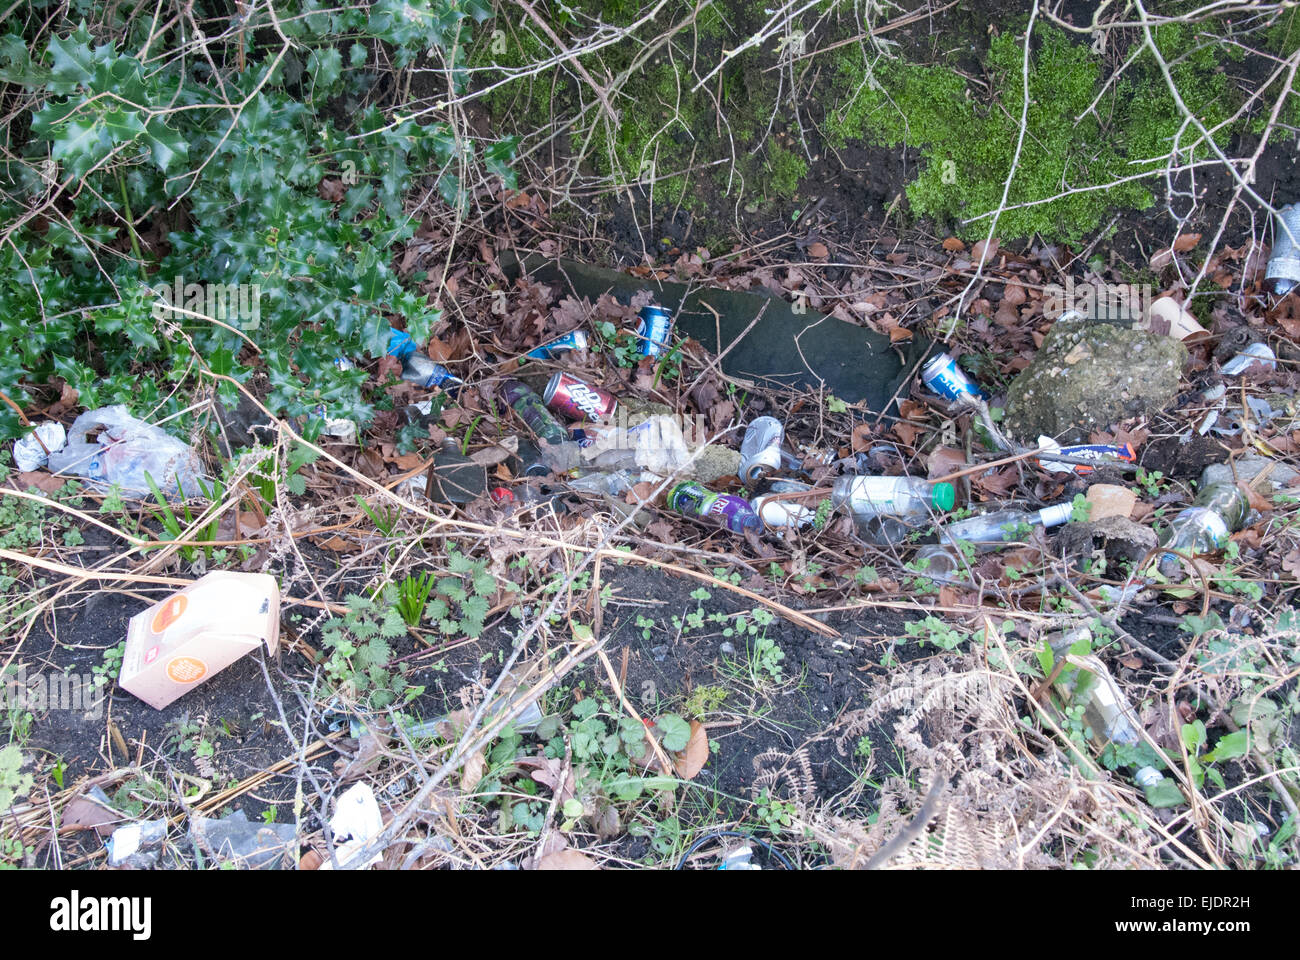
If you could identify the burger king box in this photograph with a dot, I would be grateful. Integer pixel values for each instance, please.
(177, 644)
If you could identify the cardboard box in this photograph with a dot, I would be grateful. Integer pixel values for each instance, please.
(192, 635)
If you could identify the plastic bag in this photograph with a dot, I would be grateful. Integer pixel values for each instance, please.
(125, 451)
(29, 454)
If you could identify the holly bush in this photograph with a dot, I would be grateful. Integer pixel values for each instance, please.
(222, 146)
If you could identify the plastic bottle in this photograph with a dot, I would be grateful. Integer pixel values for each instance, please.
(734, 513)
(613, 483)
(1218, 511)
(986, 531)
(1107, 714)
(885, 509)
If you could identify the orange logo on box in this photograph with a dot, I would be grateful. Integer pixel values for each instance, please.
(186, 669)
(170, 613)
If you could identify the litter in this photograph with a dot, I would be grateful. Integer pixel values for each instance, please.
(127, 449)
(1257, 355)
(1218, 511)
(137, 846)
(1283, 271)
(29, 455)
(356, 821)
(258, 846)
(1169, 318)
(693, 500)
(196, 633)
(1101, 452)
(761, 450)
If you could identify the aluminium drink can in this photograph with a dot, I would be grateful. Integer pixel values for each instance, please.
(653, 330)
(577, 399)
(942, 376)
(760, 450)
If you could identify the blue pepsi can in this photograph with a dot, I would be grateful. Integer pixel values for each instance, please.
(653, 330)
(574, 340)
(943, 377)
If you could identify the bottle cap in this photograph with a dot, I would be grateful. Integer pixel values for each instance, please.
(1056, 514)
(943, 496)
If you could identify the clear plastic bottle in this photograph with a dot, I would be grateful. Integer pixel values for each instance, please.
(1108, 715)
(612, 483)
(885, 509)
(1218, 511)
(986, 531)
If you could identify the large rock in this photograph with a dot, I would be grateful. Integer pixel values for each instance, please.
(1088, 375)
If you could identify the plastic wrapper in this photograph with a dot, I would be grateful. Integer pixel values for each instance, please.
(29, 454)
(125, 450)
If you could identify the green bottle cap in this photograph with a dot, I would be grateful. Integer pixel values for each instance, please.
(943, 496)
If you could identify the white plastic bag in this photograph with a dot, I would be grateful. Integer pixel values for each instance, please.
(29, 455)
(124, 452)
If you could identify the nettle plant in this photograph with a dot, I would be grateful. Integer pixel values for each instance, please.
(249, 157)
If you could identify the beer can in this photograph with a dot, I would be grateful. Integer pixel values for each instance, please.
(760, 450)
(524, 401)
(577, 399)
(653, 330)
(575, 340)
(942, 376)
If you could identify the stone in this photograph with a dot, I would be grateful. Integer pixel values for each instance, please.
(1120, 537)
(1089, 375)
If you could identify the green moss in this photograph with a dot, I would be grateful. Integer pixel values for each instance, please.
(787, 169)
(968, 146)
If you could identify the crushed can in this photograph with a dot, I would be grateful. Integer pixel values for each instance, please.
(693, 500)
(760, 450)
(577, 399)
(943, 377)
(574, 340)
(653, 330)
(523, 400)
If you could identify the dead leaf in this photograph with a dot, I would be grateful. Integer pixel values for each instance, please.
(338, 545)
(945, 460)
(1186, 241)
(860, 438)
(690, 760)
(42, 480)
(978, 251)
(472, 772)
(566, 860)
